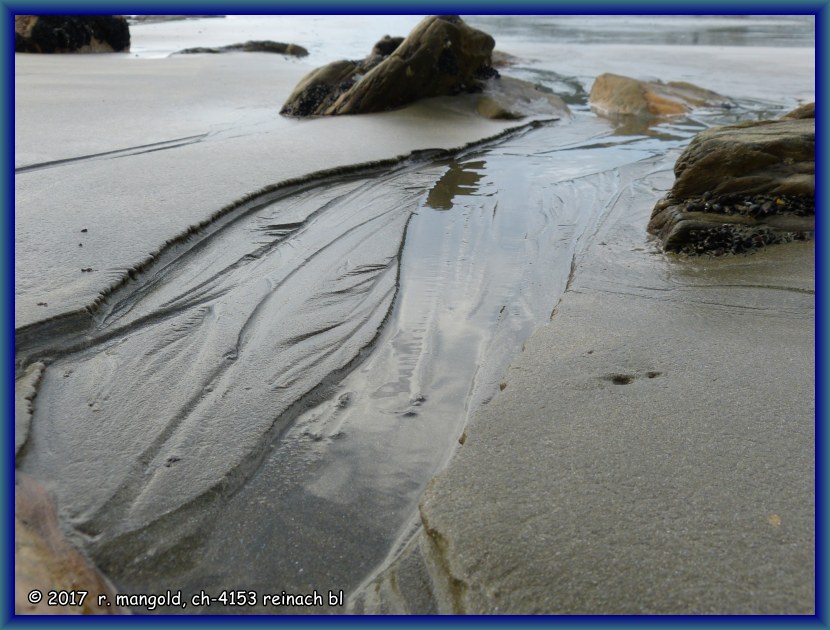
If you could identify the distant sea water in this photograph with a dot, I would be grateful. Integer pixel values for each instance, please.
(704, 30)
(329, 37)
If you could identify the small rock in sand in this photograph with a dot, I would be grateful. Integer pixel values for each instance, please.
(45, 561)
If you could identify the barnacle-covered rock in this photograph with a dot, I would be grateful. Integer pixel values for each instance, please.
(71, 33)
(741, 186)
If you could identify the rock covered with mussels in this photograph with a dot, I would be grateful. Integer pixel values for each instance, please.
(739, 187)
(71, 33)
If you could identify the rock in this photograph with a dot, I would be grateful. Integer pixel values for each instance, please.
(805, 111)
(266, 46)
(494, 110)
(739, 187)
(71, 33)
(441, 56)
(507, 98)
(501, 59)
(317, 92)
(386, 46)
(615, 95)
(45, 561)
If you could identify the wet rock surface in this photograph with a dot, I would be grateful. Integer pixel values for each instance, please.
(616, 95)
(45, 561)
(507, 98)
(740, 187)
(266, 46)
(70, 33)
(441, 56)
(804, 111)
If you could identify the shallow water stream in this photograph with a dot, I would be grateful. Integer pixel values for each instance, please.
(265, 408)
(262, 408)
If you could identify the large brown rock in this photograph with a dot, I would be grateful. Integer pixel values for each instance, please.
(441, 56)
(44, 561)
(71, 33)
(616, 95)
(741, 186)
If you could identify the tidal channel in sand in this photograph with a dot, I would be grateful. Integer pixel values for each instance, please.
(264, 401)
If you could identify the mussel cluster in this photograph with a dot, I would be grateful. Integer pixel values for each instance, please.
(726, 238)
(755, 206)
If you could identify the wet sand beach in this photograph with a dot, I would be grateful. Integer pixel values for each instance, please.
(651, 451)
(425, 358)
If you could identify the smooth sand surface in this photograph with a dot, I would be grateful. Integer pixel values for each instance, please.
(652, 450)
(215, 136)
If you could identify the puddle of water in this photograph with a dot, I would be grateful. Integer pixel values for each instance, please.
(460, 179)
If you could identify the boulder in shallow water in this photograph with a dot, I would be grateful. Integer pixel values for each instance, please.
(507, 98)
(45, 561)
(740, 187)
(441, 56)
(71, 33)
(615, 95)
